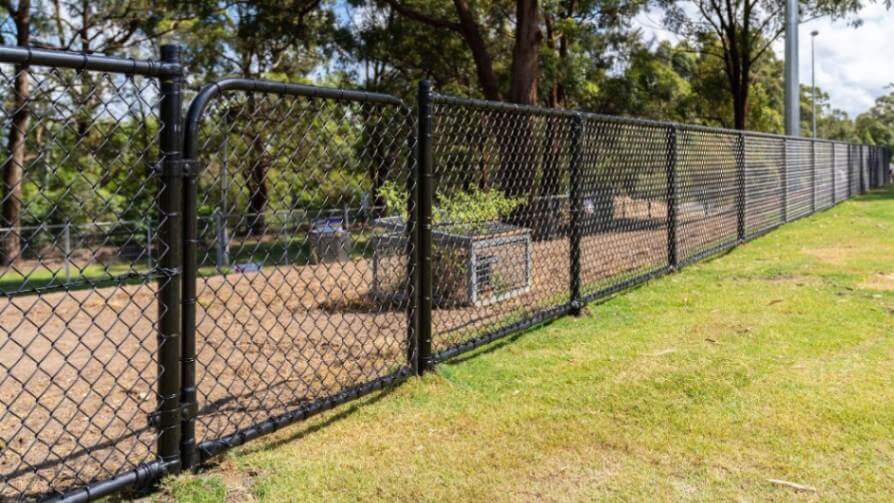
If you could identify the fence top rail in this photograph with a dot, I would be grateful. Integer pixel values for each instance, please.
(501, 106)
(558, 112)
(88, 62)
(210, 91)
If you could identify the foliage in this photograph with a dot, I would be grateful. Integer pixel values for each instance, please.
(876, 126)
(473, 206)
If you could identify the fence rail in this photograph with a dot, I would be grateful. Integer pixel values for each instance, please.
(176, 284)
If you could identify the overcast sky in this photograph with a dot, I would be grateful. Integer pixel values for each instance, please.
(852, 64)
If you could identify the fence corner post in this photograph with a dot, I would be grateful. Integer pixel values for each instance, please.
(575, 298)
(740, 188)
(423, 249)
(167, 415)
(671, 167)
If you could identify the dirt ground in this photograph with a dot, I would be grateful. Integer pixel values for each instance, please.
(78, 369)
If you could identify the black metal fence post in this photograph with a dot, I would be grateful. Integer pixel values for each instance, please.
(784, 180)
(834, 190)
(413, 266)
(424, 197)
(862, 175)
(671, 168)
(167, 417)
(813, 174)
(575, 223)
(740, 188)
(188, 397)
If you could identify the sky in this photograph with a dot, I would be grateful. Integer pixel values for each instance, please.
(853, 65)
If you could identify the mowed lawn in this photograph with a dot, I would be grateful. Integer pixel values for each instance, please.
(773, 362)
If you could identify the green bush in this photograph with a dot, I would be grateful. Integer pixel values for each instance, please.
(455, 208)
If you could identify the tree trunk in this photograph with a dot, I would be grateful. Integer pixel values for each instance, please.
(258, 186)
(484, 67)
(521, 155)
(525, 53)
(13, 168)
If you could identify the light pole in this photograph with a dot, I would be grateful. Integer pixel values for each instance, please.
(813, 35)
(792, 85)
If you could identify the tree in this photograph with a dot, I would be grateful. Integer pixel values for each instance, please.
(745, 29)
(276, 39)
(14, 166)
(831, 124)
(87, 26)
(876, 125)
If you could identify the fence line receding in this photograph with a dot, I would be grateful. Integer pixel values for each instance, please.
(180, 278)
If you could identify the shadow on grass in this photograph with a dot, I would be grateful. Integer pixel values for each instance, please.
(310, 426)
(497, 344)
(883, 194)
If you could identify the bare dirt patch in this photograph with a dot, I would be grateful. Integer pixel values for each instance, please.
(880, 281)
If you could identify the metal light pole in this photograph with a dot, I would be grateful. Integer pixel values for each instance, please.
(813, 35)
(792, 85)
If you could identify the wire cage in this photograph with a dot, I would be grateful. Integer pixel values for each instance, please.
(477, 264)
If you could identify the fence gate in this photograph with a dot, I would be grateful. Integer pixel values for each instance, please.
(298, 275)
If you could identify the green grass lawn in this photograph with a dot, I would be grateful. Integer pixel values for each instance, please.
(775, 361)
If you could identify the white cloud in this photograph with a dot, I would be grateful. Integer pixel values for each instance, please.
(853, 65)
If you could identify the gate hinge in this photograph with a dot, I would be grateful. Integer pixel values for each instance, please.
(180, 168)
(185, 412)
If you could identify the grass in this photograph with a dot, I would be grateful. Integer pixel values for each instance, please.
(774, 361)
(26, 279)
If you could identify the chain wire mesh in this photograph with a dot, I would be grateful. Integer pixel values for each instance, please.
(764, 183)
(304, 238)
(500, 221)
(707, 170)
(823, 170)
(623, 208)
(306, 248)
(78, 349)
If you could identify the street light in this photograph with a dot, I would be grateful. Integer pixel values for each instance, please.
(813, 35)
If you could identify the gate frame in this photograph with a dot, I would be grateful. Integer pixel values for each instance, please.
(191, 452)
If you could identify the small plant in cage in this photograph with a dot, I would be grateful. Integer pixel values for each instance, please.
(476, 258)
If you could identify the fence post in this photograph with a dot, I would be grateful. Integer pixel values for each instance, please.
(424, 361)
(575, 196)
(671, 168)
(833, 173)
(784, 180)
(813, 174)
(168, 413)
(740, 188)
(862, 174)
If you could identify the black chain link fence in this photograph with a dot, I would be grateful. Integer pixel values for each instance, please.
(303, 292)
(79, 321)
(171, 292)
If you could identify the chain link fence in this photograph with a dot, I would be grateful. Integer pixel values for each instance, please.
(179, 281)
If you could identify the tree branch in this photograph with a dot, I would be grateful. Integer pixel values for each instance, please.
(415, 15)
